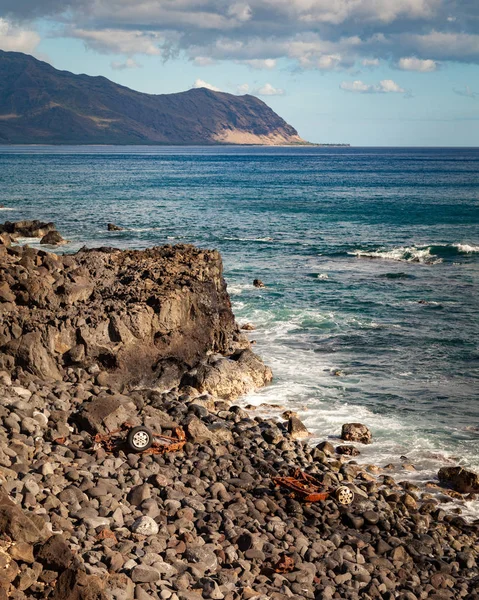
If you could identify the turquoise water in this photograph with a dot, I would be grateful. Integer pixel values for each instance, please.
(370, 257)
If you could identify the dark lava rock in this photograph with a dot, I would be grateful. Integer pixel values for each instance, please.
(459, 479)
(296, 429)
(55, 554)
(77, 585)
(52, 238)
(356, 432)
(348, 450)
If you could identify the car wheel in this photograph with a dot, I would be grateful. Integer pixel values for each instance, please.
(140, 439)
(344, 495)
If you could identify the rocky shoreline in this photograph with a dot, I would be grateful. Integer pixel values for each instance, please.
(92, 339)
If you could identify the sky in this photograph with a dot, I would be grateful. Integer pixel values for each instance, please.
(364, 72)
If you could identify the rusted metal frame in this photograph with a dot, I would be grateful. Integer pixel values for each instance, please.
(303, 485)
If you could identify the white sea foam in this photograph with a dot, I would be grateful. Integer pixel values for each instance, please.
(248, 239)
(6, 208)
(467, 248)
(403, 253)
(323, 276)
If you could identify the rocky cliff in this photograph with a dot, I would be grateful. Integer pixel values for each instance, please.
(153, 317)
(39, 104)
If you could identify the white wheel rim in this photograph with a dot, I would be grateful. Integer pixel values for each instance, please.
(140, 439)
(344, 495)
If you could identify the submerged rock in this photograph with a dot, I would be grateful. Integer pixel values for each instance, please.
(258, 283)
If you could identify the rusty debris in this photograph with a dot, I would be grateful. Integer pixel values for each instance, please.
(106, 534)
(140, 440)
(308, 488)
(285, 564)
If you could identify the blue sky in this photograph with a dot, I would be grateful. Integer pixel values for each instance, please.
(366, 72)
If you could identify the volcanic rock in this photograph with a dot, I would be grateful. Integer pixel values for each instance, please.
(53, 238)
(460, 479)
(296, 429)
(77, 585)
(356, 432)
(144, 316)
(27, 228)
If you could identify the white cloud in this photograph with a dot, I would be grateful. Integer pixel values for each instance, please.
(199, 83)
(268, 90)
(312, 34)
(203, 61)
(370, 62)
(240, 11)
(120, 41)
(16, 39)
(259, 63)
(416, 64)
(243, 88)
(386, 86)
(128, 64)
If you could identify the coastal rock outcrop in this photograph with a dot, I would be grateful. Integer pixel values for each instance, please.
(133, 316)
(27, 228)
(461, 480)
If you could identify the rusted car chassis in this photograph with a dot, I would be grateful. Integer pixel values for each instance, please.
(141, 439)
(307, 488)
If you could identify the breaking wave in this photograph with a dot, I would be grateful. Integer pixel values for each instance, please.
(429, 255)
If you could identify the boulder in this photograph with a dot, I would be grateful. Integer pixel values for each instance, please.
(356, 432)
(107, 413)
(231, 377)
(348, 450)
(258, 283)
(6, 294)
(198, 433)
(53, 238)
(31, 354)
(77, 585)
(461, 480)
(55, 554)
(145, 526)
(119, 587)
(113, 227)
(18, 526)
(296, 429)
(326, 447)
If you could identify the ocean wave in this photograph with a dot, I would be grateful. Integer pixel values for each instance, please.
(241, 239)
(403, 254)
(454, 249)
(6, 208)
(430, 255)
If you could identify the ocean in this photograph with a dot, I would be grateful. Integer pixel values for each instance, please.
(370, 257)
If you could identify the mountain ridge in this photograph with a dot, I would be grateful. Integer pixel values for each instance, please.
(40, 104)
